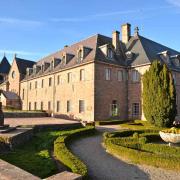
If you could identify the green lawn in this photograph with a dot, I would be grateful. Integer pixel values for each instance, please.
(140, 125)
(34, 156)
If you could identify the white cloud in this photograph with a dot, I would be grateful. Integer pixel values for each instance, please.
(15, 21)
(174, 2)
(107, 14)
(24, 53)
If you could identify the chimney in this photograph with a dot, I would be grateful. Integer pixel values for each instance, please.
(126, 32)
(115, 42)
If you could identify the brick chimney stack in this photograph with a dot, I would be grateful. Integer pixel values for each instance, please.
(115, 42)
(126, 32)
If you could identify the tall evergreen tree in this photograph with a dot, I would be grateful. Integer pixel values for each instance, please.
(159, 95)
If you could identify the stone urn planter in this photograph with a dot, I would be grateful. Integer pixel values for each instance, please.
(170, 136)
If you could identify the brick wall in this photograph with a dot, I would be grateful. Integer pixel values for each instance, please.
(108, 90)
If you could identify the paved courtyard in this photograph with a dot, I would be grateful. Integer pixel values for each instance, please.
(37, 121)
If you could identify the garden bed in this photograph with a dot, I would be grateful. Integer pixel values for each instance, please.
(35, 155)
(140, 146)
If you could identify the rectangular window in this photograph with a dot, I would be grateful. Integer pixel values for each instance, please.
(69, 106)
(58, 79)
(42, 83)
(49, 105)
(135, 109)
(107, 74)
(135, 76)
(35, 84)
(23, 94)
(81, 106)
(30, 86)
(120, 75)
(29, 106)
(58, 106)
(82, 75)
(35, 105)
(41, 105)
(50, 81)
(69, 77)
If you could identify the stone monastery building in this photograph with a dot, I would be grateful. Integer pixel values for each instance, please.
(95, 79)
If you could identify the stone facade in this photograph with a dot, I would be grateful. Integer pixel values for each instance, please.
(95, 79)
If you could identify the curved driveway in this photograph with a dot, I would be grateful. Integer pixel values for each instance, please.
(102, 165)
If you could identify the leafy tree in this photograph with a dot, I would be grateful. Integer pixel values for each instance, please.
(159, 95)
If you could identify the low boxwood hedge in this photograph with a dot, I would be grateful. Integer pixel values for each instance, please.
(110, 122)
(64, 155)
(138, 147)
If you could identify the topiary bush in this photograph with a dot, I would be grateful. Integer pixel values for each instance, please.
(159, 95)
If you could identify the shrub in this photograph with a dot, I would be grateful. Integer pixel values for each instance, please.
(109, 122)
(64, 155)
(159, 97)
(172, 130)
(138, 147)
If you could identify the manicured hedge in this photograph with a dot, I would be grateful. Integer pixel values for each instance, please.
(135, 146)
(64, 155)
(109, 122)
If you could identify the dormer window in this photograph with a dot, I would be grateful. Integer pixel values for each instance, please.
(64, 59)
(80, 55)
(110, 53)
(42, 68)
(52, 65)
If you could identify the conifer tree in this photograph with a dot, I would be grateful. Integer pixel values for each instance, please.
(159, 96)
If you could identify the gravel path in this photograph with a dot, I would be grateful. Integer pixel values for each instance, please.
(102, 165)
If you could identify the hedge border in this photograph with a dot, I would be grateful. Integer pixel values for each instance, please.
(110, 122)
(64, 155)
(138, 156)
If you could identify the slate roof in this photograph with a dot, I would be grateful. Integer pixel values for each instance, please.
(10, 95)
(144, 51)
(23, 64)
(4, 66)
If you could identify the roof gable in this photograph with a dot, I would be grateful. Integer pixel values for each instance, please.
(22, 64)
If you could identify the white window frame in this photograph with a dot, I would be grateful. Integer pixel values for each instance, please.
(120, 75)
(135, 76)
(107, 74)
(136, 109)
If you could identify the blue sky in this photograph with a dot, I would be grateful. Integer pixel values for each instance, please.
(35, 28)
